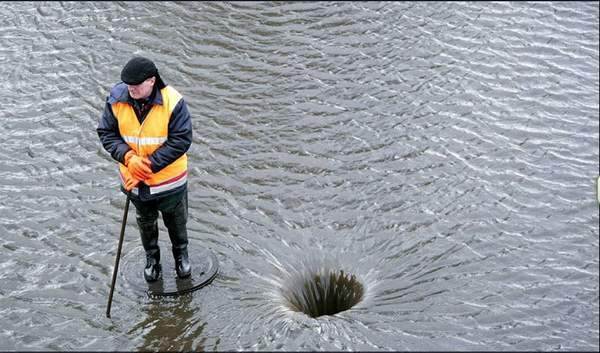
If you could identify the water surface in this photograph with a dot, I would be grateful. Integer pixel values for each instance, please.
(444, 153)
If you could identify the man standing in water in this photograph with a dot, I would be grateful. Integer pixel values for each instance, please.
(147, 128)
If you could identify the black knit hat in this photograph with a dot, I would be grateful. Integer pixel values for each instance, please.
(139, 69)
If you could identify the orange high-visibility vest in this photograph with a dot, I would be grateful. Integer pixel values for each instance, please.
(145, 138)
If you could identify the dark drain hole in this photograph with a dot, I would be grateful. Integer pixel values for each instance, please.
(323, 294)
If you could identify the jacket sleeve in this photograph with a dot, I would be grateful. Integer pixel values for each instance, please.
(108, 131)
(178, 141)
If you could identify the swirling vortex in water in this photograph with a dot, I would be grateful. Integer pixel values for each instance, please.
(325, 292)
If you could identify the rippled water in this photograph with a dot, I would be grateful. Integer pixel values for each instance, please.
(444, 153)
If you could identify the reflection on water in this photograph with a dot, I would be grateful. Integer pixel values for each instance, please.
(443, 153)
(169, 326)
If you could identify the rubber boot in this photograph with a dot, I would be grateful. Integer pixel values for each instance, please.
(176, 225)
(153, 269)
(149, 235)
(182, 262)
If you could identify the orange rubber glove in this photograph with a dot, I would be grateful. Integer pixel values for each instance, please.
(130, 183)
(128, 156)
(139, 167)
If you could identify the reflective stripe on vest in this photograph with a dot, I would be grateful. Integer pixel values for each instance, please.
(169, 184)
(145, 138)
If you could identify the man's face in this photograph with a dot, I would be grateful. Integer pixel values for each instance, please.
(143, 90)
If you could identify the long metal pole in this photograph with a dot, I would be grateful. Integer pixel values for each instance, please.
(116, 269)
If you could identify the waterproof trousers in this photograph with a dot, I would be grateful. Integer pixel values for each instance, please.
(174, 210)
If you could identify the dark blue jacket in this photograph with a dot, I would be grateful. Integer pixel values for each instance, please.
(178, 141)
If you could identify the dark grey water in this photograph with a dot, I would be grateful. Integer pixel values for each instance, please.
(444, 153)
